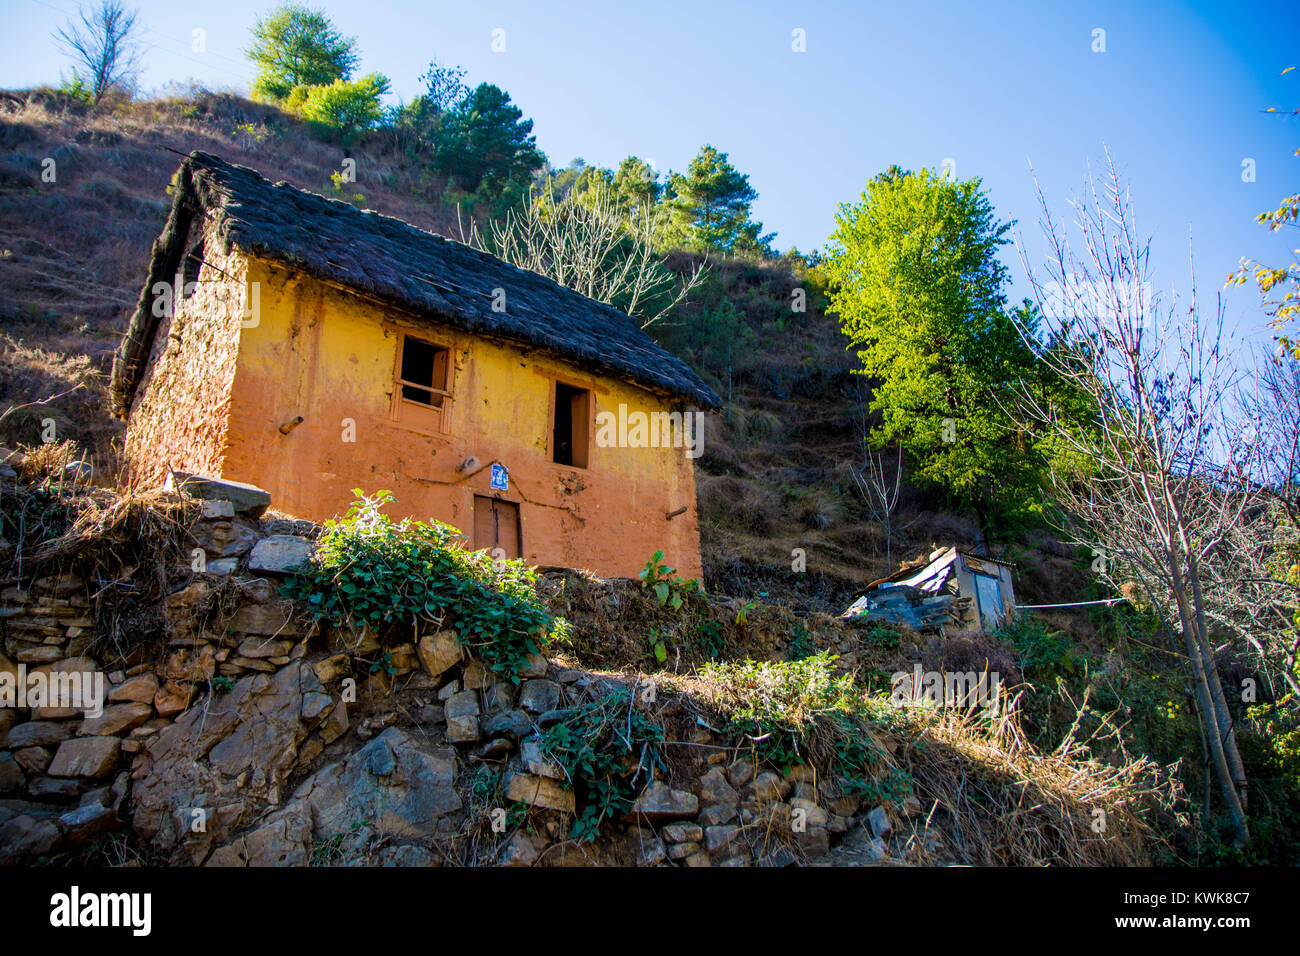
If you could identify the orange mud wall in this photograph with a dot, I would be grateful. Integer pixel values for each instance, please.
(179, 415)
(329, 356)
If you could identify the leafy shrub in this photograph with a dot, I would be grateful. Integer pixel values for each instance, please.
(346, 106)
(372, 571)
(1042, 651)
(791, 711)
(668, 587)
(603, 748)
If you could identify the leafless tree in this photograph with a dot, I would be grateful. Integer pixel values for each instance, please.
(590, 244)
(1148, 481)
(879, 492)
(106, 44)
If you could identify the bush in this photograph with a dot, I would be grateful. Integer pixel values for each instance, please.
(345, 106)
(371, 571)
(596, 747)
(793, 712)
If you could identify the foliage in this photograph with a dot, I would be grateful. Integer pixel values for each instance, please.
(668, 587)
(711, 204)
(915, 279)
(790, 710)
(296, 46)
(372, 571)
(603, 748)
(485, 143)
(344, 106)
(1041, 651)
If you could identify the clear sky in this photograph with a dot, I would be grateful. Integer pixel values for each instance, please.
(1178, 95)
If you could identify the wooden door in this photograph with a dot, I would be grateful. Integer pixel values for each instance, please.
(496, 525)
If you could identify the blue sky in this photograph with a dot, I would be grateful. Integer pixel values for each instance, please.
(1177, 95)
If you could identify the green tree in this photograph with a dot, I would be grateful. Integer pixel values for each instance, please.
(711, 205)
(915, 279)
(636, 184)
(296, 46)
(486, 142)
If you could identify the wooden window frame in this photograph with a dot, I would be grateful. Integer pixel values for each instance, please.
(555, 382)
(398, 401)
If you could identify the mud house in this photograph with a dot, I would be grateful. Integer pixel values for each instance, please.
(296, 343)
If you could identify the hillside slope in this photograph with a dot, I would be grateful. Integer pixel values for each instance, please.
(773, 478)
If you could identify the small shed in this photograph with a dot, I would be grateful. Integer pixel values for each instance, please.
(950, 587)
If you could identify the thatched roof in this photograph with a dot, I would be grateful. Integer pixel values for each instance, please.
(394, 262)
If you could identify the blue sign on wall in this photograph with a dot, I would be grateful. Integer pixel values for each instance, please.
(500, 478)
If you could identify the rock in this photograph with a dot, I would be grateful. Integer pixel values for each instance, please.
(500, 697)
(34, 759)
(244, 498)
(38, 733)
(539, 763)
(815, 841)
(24, 839)
(464, 704)
(405, 856)
(683, 833)
(447, 689)
(213, 510)
(224, 539)
(813, 815)
(86, 821)
(647, 849)
(553, 717)
(439, 652)
(476, 676)
(513, 724)
(878, 821)
(115, 720)
(172, 698)
(680, 851)
(538, 696)
(535, 667)
(12, 777)
(717, 839)
(700, 858)
(332, 668)
(781, 856)
(716, 815)
(274, 619)
(38, 654)
(222, 566)
(769, 788)
(262, 647)
(522, 849)
(230, 757)
(398, 786)
(714, 789)
(911, 806)
(495, 749)
(137, 690)
(60, 787)
(463, 730)
(278, 554)
(740, 773)
(540, 792)
(660, 803)
(86, 757)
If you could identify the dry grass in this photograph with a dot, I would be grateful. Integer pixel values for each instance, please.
(995, 801)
